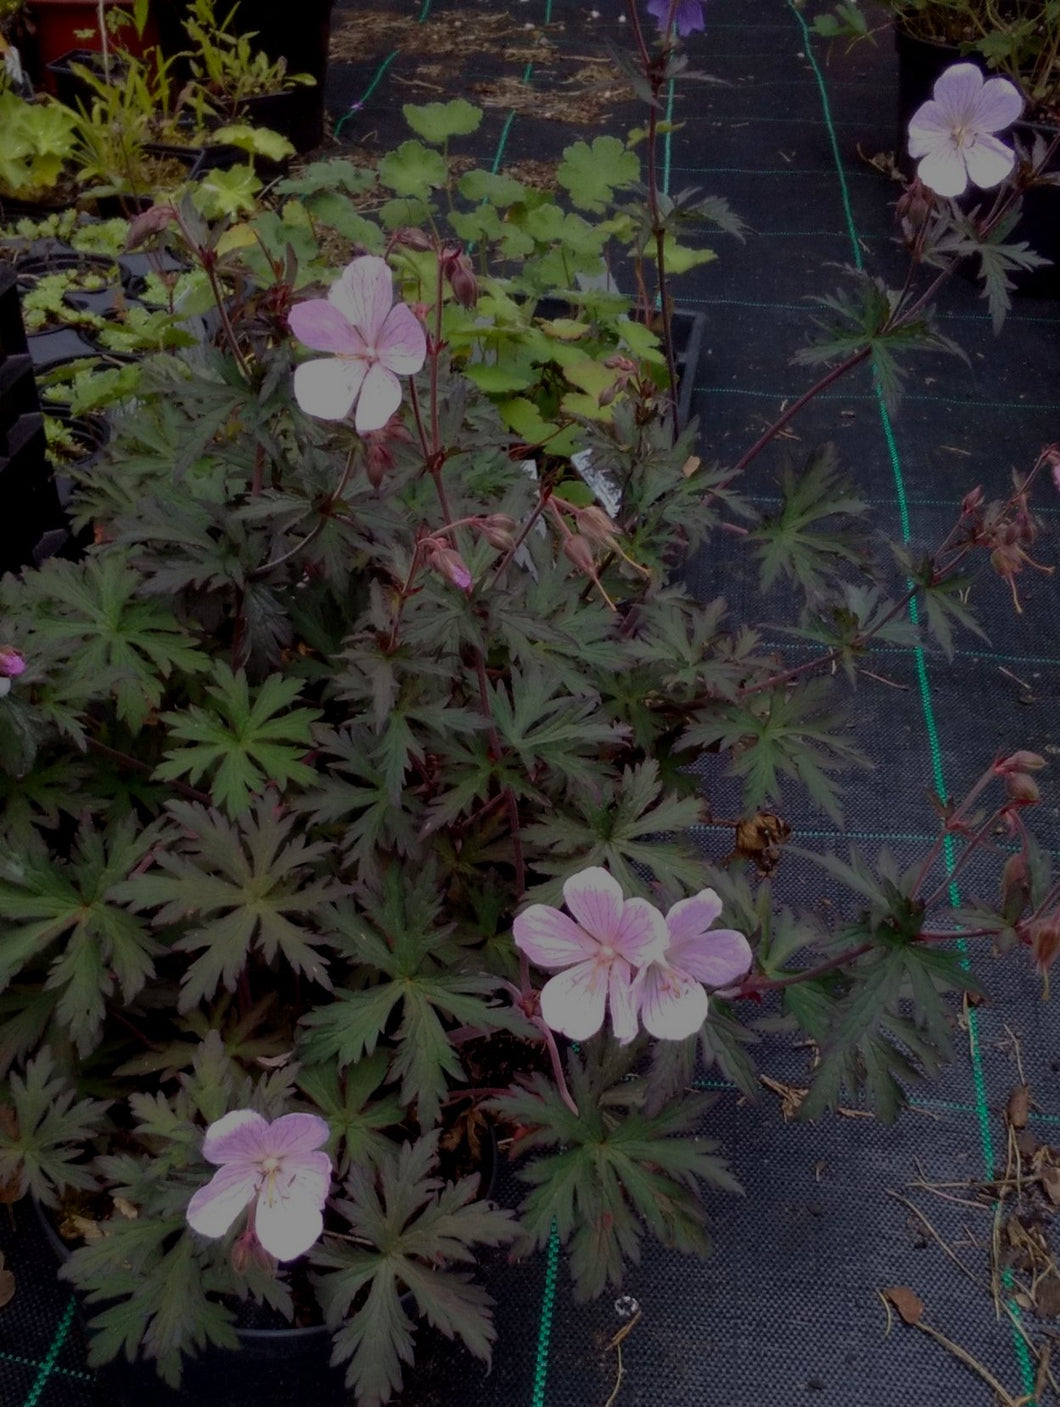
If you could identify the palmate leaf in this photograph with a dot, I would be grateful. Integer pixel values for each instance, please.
(102, 945)
(411, 1228)
(806, 538)
(247, 887)
(862, 318)
(624, 826)
(245, 742)
(354, 1117)
(781, 734)
(45, 1152)
(421, 972)
(593, 173)
(114, 643)
(885, 1027)
(618, 1170)
(543, 725)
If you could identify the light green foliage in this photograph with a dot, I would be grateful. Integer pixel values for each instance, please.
(437, 122)
(592, 173)
(38, 143)
(405, 1229)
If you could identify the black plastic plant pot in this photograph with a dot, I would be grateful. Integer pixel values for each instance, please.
(29, 504)
(65, 344)
(55, 257)
(12, 333)
(71, 87)
(18, 390)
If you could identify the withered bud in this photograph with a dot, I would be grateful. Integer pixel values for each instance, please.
(248, 1252)
(1006, 560)
(412, 238)
(148, 223)
(972, 502)
(377, 460)
(498, 530)
(1021, 788)
(1045, 942)
(580, 553)
(1019, 762)
(596, 526)
(1015, 886)
(915, 203)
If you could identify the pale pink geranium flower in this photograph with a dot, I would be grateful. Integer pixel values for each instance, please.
(668, 990)
(374, 341)
(953, 132)
(273, 1166)
(12, 664)
(596, 951)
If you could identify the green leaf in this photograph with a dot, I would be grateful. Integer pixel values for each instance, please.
(247, 742)
(437, 122)
(413, 170)
(593, 173)
(250, 886)
(232, 191)
(404, 1226)
(45, 1150)
(491, 186)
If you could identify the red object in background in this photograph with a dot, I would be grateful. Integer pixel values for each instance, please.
(62, 25)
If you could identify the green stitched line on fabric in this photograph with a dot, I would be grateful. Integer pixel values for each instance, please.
(24, 1362)
(927, 709)
(377, 77)
(544, 1331)
(47, 1367)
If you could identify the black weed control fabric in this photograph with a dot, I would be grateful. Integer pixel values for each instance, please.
(786, 1311)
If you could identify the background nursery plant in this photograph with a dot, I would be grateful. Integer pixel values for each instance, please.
(366, 711)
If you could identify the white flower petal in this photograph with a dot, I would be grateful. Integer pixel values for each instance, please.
(957, 91)
(672, 1006)
(944, 172)
(235, 1137)
(402, 342)
(1000, 104)
(988, 161)
(214, 1208)
(289, 1225)
(595, 899)
(641, 933)
(364, 293)
(380, 396)
(573, 1002)
(622, 999)
(327, 387)
(550, 939)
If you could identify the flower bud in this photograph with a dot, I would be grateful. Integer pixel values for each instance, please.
(463, 282)
(450, 565)
(412, 238)
(248, 1252)
(1021, 788)
(12, 662)
(581, 554)
(972, 502)
(596, 526)
(148, 223)
(1019, 762)
(498, 530)
(1015, 886)
(1045, 942)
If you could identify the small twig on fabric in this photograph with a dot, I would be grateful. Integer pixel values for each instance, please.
(937, 1237)
(616, 1344)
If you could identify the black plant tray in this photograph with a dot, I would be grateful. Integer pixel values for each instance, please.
(65, 344)
(18, 390)
(70, 87)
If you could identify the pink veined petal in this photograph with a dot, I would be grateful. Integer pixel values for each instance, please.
(944, 172)
(957, 92)
(292, 1135)
(320, 325)
(1000, 104)
(364, 293)
(641, 933)
(288, 1225)
(927, 128)
(236, 1137)
(214, 1208)
(550, 939)
(573, 1002)
(672, 1005)
(380, 396)
(988, 161)
(622, 999)
(402, 344)
(327, 388)
(595, 899)
(691, 917)
(717, 958)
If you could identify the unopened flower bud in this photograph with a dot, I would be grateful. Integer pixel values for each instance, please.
(972, 502)
(412, 238)
(580, 553)
(378, 459)
(1021, 788)
(1045, 942)
(1019, 762)
(463, 282)
(498, 530)
(148, 223)
(596, 526)
(449, 564)
(12, 662)
(248, 1253)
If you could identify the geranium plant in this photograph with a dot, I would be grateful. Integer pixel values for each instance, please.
(346, 776)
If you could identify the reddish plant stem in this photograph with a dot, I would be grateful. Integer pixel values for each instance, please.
(539, 508)
(135, 765)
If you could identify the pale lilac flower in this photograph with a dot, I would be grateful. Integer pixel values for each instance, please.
(273, 1168)
(670, 998)
(596, 952)
(953, 132)
(687, 15)
(373, 340)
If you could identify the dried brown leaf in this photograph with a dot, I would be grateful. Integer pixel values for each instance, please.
(1018, 1108)
(1050, 1180)
(907, 1302)
(1047, 1298)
